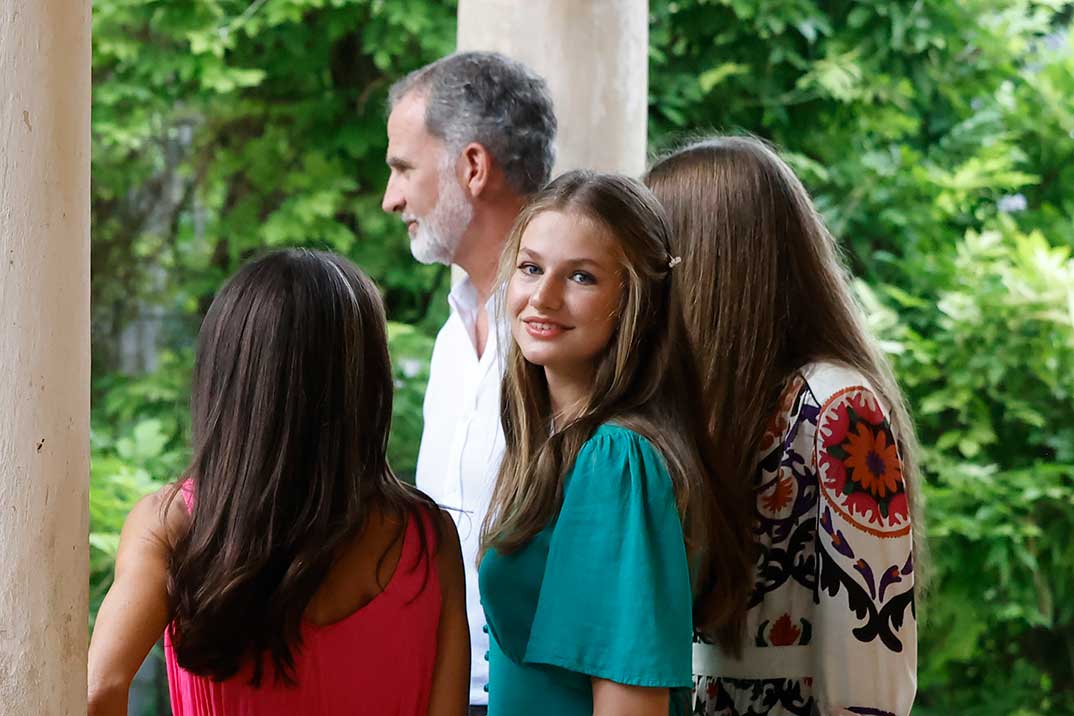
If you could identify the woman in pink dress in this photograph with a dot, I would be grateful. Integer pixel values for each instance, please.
(289, 569)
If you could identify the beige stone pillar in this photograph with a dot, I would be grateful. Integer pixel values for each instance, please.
(44, 355)
(594, 55)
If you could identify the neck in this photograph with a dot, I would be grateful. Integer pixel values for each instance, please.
(567, 391)
(479, 254)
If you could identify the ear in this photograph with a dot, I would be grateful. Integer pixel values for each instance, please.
(477, 169)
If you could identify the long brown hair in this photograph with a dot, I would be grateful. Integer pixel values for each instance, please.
(291, 406)
(644, 380)
(768, 294)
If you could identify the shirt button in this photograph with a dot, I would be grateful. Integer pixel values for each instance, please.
(486, 687)
(486, 656)
(485, 628)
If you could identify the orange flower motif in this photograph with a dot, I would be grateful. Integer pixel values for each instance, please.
(874, 462)
(779, 497)
(780, 420)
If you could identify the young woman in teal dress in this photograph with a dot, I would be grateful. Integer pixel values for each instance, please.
(601, 533)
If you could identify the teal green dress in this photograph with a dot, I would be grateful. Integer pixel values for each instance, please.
(603, 591)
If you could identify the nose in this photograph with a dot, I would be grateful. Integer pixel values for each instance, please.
(547, 294)
(393, 201)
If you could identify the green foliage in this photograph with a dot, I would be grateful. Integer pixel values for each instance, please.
(936, 137)
(139, 441)
(222, 128)
(991, 366)
(410, 349)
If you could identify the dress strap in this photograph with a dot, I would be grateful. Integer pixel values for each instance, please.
(187, 489)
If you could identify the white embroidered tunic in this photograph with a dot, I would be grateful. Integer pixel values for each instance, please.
(831, 627)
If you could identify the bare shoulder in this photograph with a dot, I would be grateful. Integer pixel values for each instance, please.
(449, 534)
(449, 552)
(160, 517)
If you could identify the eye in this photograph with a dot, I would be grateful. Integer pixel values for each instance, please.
(586, 279)
(529, 269)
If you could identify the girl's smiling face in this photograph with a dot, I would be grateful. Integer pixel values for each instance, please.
(564, 293)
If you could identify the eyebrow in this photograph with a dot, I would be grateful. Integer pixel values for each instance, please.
(399, 163)
(574, 262)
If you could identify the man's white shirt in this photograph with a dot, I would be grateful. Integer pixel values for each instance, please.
(462, 445)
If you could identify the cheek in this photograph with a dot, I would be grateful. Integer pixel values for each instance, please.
(517, 296)
(601, 318)
(422, 194)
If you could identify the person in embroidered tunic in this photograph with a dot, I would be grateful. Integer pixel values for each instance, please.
(803, 407)
(586, 575)
(289, 569)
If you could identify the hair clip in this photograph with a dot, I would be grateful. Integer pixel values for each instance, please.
(674, 261)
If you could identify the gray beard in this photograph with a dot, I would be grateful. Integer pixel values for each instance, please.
(439, 233)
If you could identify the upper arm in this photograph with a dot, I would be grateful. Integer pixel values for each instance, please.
(865, 614)
(613, 699)
(135, 611)
(451, 674)
(615, 599)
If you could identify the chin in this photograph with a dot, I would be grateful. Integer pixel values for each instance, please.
(428, 253)
(535, 358)
(537, 355)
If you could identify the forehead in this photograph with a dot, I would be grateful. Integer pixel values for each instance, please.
(406, 123)
(568, 236)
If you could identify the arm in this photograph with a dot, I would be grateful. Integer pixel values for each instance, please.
(612, 699)
(615, 599)
(450, 694)
(135, 610)
(865, 626)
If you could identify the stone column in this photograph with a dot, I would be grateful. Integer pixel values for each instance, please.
(594, 55)
(44, 354)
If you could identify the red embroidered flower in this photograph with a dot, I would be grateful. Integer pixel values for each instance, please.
(863, 504)
(784, 633)
(836, 424)
(867, 407)
(898, 509)
(834, 474)
(875, 462)
(858, 463)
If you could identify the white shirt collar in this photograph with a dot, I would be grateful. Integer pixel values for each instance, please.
(463, 297)
(464, 303)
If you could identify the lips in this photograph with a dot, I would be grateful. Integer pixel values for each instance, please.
(541, 328)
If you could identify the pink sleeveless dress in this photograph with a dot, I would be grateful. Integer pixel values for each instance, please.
(376, 661)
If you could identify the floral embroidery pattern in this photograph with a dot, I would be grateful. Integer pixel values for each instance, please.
(832, 527)
(786, 493)
(779, 498)
(784, 632)
(879, 620)
(752, 697)
(858, 460)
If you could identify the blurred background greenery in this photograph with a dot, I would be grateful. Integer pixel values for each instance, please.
(937, 137)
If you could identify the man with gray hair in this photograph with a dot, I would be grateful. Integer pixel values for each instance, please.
(470, 136)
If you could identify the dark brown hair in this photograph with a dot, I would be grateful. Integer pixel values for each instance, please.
(645, 380)
(291, 406)
(768, 294)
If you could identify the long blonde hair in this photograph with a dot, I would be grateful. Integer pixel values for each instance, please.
(645, 380)
(768, 294)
